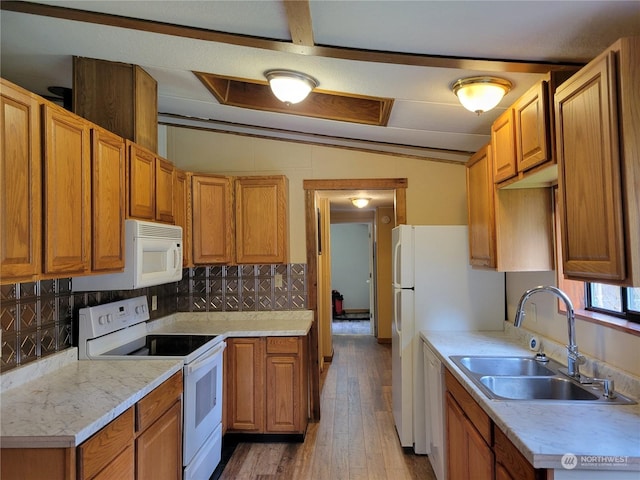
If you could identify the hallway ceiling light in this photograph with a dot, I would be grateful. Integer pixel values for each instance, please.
(290, 87)
(360, 202)
(481, 94)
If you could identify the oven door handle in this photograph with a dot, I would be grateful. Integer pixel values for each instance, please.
(206, 359)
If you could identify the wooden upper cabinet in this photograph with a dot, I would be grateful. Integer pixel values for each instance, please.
(503, 146)
(481, 209)
(182, 212)
(598, 148)
(212, 239)
(120, 97)
(67, 192)
(108, 200)
(533, 141)
(150, 185)
(164, 190)
(20, 184)
(261, 219)
(142, 184)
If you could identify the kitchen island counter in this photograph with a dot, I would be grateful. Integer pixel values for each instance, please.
(601, 437)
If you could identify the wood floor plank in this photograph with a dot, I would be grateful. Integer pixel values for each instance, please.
(355, 438)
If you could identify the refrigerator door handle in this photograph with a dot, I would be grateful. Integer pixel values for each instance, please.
(396, 305)
(396, 265)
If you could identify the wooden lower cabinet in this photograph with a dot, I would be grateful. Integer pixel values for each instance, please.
(267, 389)
(158, 449)
(476, 448)
(143, 442)
(470, 457)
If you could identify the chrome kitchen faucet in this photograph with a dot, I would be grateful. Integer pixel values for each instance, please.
(574, 359)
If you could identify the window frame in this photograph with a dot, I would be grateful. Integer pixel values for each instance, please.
(626, 313)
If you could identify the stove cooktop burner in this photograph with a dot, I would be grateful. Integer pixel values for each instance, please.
(164, 345)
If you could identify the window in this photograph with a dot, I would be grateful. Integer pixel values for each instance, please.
(610, 299)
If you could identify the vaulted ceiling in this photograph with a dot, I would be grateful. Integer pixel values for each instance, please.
(408, 52)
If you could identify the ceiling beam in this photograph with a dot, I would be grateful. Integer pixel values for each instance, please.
(300, 25)
(421, 60)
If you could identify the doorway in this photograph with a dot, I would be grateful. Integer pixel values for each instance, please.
(317, 213)
(352, 279)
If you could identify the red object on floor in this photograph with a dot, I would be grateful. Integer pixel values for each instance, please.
(337, 300)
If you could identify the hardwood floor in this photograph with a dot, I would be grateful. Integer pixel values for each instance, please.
(355, 438)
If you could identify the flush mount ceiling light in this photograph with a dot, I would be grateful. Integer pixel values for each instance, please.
(290, 87)
(360, 202)
(481, 94)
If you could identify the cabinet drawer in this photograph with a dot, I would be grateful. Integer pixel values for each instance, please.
(472, 410)
(97, 452)
(151, 407)
(282, 345)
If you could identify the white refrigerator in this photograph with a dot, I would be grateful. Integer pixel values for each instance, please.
(434, 288)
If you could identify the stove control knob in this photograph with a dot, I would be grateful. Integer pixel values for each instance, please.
(140, 309)
(109, 318)
(102, 319)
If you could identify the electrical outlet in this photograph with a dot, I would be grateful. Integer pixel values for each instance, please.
(278, 279)
(154, 302)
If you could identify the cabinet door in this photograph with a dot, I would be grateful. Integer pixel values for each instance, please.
(108, 194)
(261, 220)
(159, 448)
(283, 385)
(469, 456)
(141, 188)
(503, 145)
(67, 197)
(182, 212)
(145, 101)
(164, 191)
(533, 145)
(20, 184)
(481, 211)
(589, 173)
(212, 219)
(245, 384)
(457, 451)
(480, 456)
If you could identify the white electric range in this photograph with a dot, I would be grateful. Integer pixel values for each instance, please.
(122, 331)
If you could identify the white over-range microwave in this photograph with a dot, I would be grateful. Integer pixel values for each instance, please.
(153, 256)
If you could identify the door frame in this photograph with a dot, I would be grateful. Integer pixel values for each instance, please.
(311, 187)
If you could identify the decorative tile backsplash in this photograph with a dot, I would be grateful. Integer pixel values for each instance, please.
(223, 288)
(40, 318)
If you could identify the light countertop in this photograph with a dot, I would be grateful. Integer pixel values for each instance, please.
(59, 402)
(292, 323)
(603, 437)
(66, 405)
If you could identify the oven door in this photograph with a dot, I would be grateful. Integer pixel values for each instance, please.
(202, 400)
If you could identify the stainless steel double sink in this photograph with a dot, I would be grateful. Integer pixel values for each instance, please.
(530, 379)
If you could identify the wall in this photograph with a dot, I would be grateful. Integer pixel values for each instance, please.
(436, 193)
(614, 347)
(350, 264)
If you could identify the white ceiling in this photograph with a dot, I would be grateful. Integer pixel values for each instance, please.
(426, 120)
